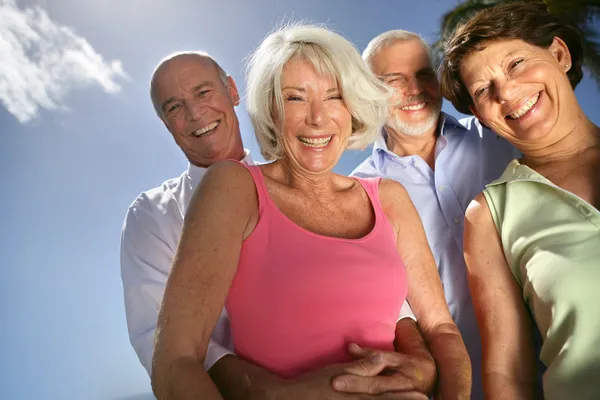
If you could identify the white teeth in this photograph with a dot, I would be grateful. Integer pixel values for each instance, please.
(414, 107)
(526, 107)
(206, 129)
(315, 142)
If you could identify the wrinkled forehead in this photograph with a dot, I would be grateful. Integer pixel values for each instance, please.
(488, 57)
(183, 71)
(308, 71)
(409, 55)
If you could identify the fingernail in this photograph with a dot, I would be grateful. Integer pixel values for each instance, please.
(339, 384)
(376, 358)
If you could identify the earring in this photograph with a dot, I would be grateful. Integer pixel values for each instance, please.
(566, 65)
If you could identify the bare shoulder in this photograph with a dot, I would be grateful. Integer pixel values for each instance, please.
(477, 215)
(397, 206)
(226, 174)
(226, 184)
(392, 193)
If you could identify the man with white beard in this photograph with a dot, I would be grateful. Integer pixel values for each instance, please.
(442, 162)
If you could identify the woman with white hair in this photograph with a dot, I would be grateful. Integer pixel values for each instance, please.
(306, 261)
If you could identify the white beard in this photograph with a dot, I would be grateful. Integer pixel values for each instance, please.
(414, 128)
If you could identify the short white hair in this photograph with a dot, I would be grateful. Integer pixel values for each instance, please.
(364, 95)
(200, 54)
(386, 39)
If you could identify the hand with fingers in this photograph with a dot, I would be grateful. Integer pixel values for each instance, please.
(317, 385)
(376, 372)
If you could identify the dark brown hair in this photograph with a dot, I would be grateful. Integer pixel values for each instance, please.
(528, 21)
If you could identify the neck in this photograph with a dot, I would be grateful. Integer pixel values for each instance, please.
(238, 154)
(409, 145)
(583, 136)
(319, 187)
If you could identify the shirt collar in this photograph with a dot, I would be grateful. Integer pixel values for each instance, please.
(196, 173)
(447, 124)
(515, 171)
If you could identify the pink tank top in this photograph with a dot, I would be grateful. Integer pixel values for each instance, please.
(299, 298)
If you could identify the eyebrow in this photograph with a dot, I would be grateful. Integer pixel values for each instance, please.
(504, 58)
(174, 99)
(507, 55)
(392, 74)
(330, 90)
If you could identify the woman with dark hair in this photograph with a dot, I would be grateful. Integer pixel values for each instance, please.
(532, 237)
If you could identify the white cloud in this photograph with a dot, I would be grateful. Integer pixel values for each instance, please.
(41, 61)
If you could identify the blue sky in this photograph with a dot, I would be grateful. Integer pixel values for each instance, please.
(79, 141)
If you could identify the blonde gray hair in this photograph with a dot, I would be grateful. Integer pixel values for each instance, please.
(386, 39)
(364, 95)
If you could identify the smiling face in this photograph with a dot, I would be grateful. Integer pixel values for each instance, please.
(197, 107)
(406, 67)
(521, 91)
(316, 122)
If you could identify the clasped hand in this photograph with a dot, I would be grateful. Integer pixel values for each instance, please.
(375, 373)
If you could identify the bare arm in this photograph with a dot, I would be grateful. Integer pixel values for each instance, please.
(509, 370)
(426, 296)
(205, 264)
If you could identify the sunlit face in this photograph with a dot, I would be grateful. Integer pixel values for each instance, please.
(197, 107)
(406, 67)
(316, 122)
(521, 91)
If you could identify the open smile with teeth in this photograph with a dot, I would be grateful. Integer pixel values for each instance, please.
(525, 107)
(206, 130)
(315, 142)
(413, 107)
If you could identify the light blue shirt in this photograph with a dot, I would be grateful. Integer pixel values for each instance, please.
(467, 157)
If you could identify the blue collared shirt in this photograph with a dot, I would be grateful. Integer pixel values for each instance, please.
(467, 157)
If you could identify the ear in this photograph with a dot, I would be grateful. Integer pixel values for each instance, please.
(233, 91)
(560, 52)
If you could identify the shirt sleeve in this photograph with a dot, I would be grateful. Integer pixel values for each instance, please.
(406, 312)
(147, 251)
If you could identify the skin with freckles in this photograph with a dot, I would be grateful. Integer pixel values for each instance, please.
(192, 97)
(313, 109)
(224, 212)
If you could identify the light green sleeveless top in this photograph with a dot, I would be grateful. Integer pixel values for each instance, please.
(551, 240)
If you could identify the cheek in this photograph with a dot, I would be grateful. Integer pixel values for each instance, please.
(433, 89)
(489, 115)
(343, 118)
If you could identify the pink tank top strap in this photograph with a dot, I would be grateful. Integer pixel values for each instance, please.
(259, 182)
(371, 186)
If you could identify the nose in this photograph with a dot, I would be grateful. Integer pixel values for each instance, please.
(505, 90)
(194, 110)
(317, 113)
(413, 86)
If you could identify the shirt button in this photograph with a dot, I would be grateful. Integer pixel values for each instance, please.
(457, 220)
(441, 188)
(583, 209)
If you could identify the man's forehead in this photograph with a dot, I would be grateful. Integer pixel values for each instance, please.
(187, 67)
(407, 54)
